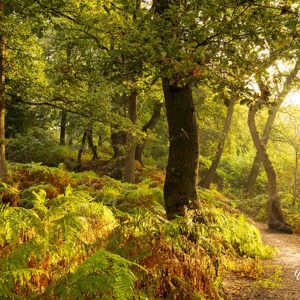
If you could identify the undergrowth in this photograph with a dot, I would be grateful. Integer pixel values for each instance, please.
(77, 236)
(256, 208)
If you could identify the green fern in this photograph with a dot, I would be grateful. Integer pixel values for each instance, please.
(102, 276)
(54, 238)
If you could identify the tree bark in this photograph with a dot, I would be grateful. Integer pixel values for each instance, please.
(295, 177)
(3, 166)
(210, 176)
(124, 142)
(250, 187)
(118, 142)
(257, 161)
(180, 191)
(275, 216)
(148, 126)
(89, 135)
(129, 168)
(79, 156)
(63, 125)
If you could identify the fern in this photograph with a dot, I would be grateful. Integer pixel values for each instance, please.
(102, 276)
(41, 239)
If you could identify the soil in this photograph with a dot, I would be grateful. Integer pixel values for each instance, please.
(288, 261)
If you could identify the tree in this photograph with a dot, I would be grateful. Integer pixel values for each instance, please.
(282, 93)
(3, 58)
(275, 216)
(212, 170)
(287, 130)
(148, 126)
(192, 46)
(179, 42)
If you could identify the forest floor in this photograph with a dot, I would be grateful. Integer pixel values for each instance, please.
(283, 283)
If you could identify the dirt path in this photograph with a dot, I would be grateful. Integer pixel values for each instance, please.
(289, 261)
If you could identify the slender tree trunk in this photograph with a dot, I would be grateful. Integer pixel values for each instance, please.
(93, 148)
(250, 187)
(295, 177)
(210, 176)
(99, 143)
(148, 126)
(79, 156)
(63, 125)
(63, 122)
(129, 170)
(257, 162)
(3, 166)
(275, 216)
(180, 191)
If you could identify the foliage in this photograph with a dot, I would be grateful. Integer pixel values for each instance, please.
(36, 146)
(72, 246)
(255, 207)
(103, 275)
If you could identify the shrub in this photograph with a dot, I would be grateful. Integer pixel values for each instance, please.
(36, 146)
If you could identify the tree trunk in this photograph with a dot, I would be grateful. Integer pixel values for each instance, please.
(89, 135)
(268, 127)
(63, 125)
(99, 143)
(275, 216)
(148, 126)
(118, 142)
(3, 166)
(295, 177)
(210, 176)
(79, 157)
(180, 191)
(257, 162)
(129, 168)
(139, 152)
(63, 122)
(124, 143)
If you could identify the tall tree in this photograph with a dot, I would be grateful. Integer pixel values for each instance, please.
(210, 176)
(275, 216)
(180, 191)
(3, 167)
(193, 36)
(287, 85)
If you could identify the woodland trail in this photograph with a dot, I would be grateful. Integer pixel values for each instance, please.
(288, 260)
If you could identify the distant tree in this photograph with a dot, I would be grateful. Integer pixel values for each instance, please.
(282, 92)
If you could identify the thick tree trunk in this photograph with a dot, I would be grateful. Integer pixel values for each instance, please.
(63, 125)
(3, 166)
(129, 170)
(275, 216)
(118, 142)
(148, 126)
(139, 152)
(210, 176)
(250, 187)
(180, 191)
